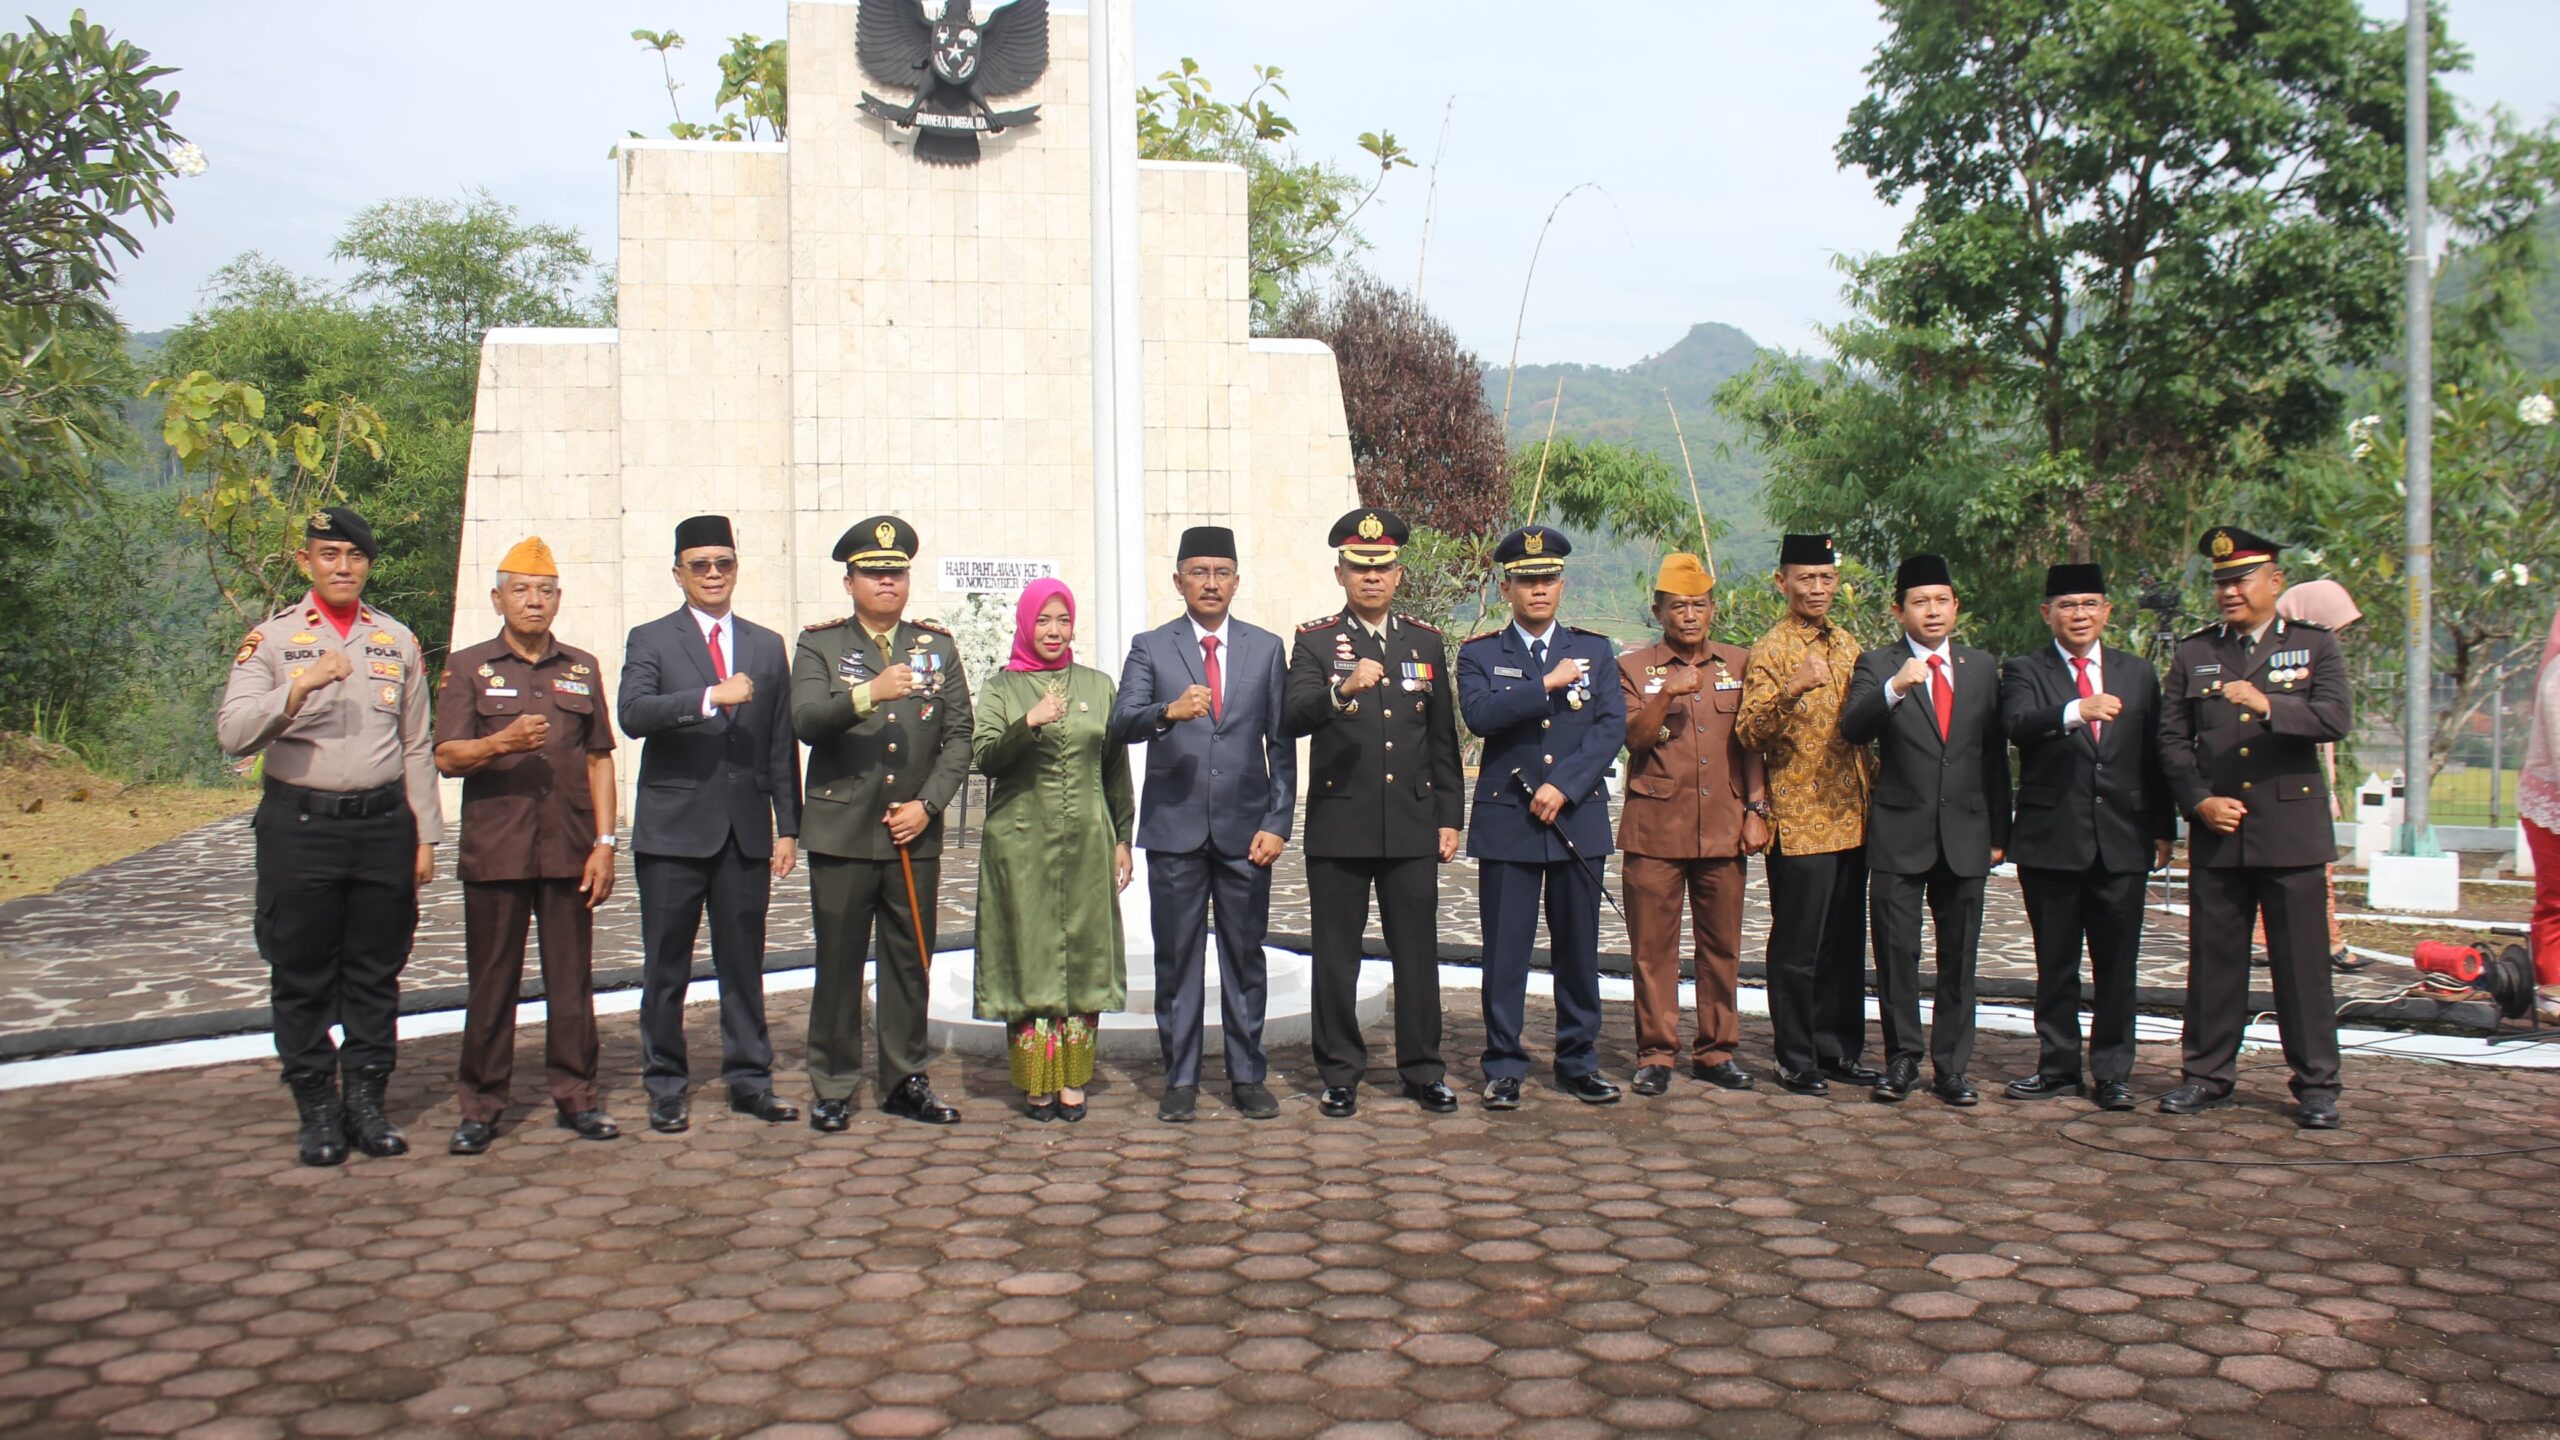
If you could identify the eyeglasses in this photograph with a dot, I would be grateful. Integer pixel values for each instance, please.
(1198, 576)
(719, 565)
(2078, 607)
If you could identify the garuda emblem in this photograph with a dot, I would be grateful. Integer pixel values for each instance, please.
(953, 54)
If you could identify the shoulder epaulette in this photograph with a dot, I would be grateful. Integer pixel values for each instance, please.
(930, 626)
(1320, 622)
(827, 624)
(1482, 635)
(1418, 624)
(2306, 625)
(2201, 631)
(1594, 634)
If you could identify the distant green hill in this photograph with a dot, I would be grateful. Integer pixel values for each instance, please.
(1626, 406)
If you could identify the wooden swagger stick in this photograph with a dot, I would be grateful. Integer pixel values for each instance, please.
(1706, 545)
(915, 914)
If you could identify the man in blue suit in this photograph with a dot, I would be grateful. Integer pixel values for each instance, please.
(1203, 694)
(1545, 698)
(708, 695)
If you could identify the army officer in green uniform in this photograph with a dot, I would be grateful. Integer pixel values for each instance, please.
(884, 708)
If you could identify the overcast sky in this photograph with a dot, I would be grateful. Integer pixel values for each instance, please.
(1707, 124)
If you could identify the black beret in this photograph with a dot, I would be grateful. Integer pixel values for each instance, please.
(337, 522)
(704, 530)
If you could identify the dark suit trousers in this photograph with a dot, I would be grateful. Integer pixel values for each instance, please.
(1338, 910)
(2064, 907)
(495, 914)
(1817, 958)
(674, 891)
(1955, 903)
(1660, 895)
(1510, 892)
(2223, 908)
(1183, 887)
(849, 899)
(337, 906)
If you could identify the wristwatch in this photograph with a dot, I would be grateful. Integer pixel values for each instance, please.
(1758, 807)
(607, 842)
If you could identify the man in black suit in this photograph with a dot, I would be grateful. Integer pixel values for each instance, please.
(2093, 815)
(2244, 709)
(1939, 821)
(709, 696)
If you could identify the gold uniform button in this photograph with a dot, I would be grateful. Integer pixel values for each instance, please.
(893, 747)
(1391, 744)
(2244, 752)
(2245, 785)
(889, 780)
(1391, 779)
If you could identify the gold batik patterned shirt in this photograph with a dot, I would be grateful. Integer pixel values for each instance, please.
(1818, 781)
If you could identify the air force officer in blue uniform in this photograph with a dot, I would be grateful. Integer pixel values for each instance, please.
(1545, 698)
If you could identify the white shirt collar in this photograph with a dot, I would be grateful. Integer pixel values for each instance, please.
(1924, 652)
(2095, 657)
(2261, 632)
(1529, 640)
(706, 622)
(1200, 633)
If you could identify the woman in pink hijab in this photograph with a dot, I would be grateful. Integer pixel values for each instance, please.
(2538, 802)
(2327, 604)
(1053, 855)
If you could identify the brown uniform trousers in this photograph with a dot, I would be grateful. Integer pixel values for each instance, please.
(1680, 829)
(528, 825)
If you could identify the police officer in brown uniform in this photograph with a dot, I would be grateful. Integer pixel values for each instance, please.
(335, 693)
(1697, 802)
(2246, 705)
(523, 719)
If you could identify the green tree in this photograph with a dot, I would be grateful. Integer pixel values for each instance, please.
(2145, 235)
(85, 143)
(444, 273)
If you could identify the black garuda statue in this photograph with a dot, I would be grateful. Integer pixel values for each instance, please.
(953, 54)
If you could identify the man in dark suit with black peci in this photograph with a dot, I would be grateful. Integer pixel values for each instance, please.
(1938, 822)
(2093, 817)
(708, 695)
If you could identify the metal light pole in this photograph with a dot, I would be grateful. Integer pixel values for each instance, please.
(2417, 837)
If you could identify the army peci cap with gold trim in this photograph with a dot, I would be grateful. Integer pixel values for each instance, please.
(1369, 536)
(1532, 551)
(883, 542)
(2235, 552)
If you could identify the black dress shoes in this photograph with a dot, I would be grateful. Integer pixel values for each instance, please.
(1850, 1072)
(2115, 1095)
(1803, 1082)
(1724, 1075)
(764, 1105)
(1338, 1102)
(1502, 1094)
(670, 1115)
(2040, 1087)
(1070, 1113)
(1180, 1105)
(1436, 1097)
(914, 1100)
(1955, 1090)
(472, 1137)
(1651, 1079)
(829, 1116)
(592, 1125)
(322, 1138)
(2192, 1099)
(2317, 1114)
(1043, 1111)
(1592, 1089)
(1253, 1100)
(1894, 1085)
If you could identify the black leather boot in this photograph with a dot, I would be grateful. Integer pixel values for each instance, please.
(323, 1137)
(370, 1129)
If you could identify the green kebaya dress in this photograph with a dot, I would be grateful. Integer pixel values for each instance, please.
(1059, 805)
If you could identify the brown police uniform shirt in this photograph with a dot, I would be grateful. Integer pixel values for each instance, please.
(1688, 777)
(1818, 781)
(366, 731)
(527, 816)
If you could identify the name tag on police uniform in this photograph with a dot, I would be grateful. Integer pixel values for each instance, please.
(1508, 673)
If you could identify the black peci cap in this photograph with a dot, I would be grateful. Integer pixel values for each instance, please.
(1210, 542)
(702, 531)
(2062, 580)
(1918, 570)
(1807, 550)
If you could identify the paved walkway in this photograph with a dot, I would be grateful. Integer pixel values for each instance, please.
(163, 938)
(1707, 1264)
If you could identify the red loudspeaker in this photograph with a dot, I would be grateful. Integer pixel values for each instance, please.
(2460, 963)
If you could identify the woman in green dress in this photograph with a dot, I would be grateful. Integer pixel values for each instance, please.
(1053, 857)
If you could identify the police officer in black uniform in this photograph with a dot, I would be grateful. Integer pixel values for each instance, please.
(2247, 704)
(1383, 808)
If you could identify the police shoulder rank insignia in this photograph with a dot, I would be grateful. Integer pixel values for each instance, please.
(1417, 624)
(1319, 623)
(930, 627)
(824, 625)
(248, 647)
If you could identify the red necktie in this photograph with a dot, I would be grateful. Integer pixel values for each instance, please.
(1217, 686)
(1944, 694)
(719, 666)
(2081, 664)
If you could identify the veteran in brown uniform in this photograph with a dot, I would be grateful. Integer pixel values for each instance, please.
(523, 719)
(1697, 802)
(334, 693)
(1818, 787)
